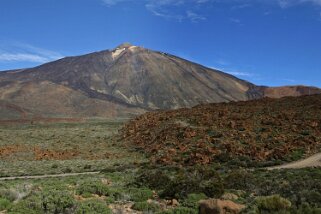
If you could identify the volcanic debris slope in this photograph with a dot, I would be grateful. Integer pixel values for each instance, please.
(253, 132)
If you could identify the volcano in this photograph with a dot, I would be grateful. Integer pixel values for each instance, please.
(121, 82)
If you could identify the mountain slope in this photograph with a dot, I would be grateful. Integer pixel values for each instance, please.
(50, 99)
(294, 91)
(128, 78)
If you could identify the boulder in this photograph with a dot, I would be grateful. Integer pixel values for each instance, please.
(229, 196)
(175, 203)
(217, 206)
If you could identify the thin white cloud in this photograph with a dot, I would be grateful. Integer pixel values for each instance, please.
(193, 9)
(202, 1)
(176, 9)
(222, 62)
(22, 57)
(21, 52)
(113, 2)
(241, 6)
(285, 3)
(159, 8)
(238, 73)
(290, 80)
(170, 9)
(266, 13)
(234, 73)
(289, 3)
(194, 17)
(236, 21)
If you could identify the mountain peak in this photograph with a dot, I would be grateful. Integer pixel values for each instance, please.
(124, 45)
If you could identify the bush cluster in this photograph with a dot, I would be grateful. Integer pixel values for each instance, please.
(93, 207)
(4, 204)
(57, 201)
(89, 188)
(172, 183)
(272, 203)
(146, 207)
(180, 210)
(140, 194)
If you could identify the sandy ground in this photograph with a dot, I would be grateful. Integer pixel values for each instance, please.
(313, 161)
(48, 176)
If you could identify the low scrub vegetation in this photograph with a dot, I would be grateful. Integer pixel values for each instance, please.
(88, 188)
(93, 207)
(146, 207)
(129, 181)
(62, 148)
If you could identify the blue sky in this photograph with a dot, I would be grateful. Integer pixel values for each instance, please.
(267, 42)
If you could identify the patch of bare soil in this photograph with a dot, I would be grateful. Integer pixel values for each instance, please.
(8, 150)
(46, 154)
(19, 151)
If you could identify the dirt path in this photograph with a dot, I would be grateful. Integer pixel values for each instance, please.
(48, 176)
(313, 161)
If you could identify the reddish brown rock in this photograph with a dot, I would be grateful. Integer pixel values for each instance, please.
(195, 139)
(216, 206)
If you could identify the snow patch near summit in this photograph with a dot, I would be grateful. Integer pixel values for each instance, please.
(117, 52)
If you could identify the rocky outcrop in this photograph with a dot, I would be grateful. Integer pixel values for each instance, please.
(217, 206)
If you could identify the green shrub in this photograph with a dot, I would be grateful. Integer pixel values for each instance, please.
(306, 209)
(140, 195)
(93, 188)
(179, 182)
(67, 170)
(305, 132)
(86, 195)
(272, 203)
(4, 204)
(180, 210)
(214, 134)
(8, 194)
(87, 166)
(196, 180)
(56, 201)
(17, 192)
(110, 200)
(192, 200)
(146, 207)
(119, 194)
(296, 155)
(312, 197)
(30, 205)
(180, 187)
(155, 179)
(239, 179)
(93, 207)
(213, 188)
